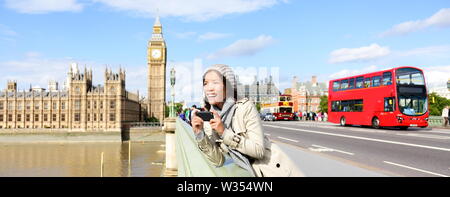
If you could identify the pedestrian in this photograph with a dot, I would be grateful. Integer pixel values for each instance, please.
(445, 115)
(236, 129)
(325, 116)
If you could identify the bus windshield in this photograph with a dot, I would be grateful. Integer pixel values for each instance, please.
(409, 76)
(413, 105)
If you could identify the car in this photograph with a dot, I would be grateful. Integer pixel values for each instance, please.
(269, 117)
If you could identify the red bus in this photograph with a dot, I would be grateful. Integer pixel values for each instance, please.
(390, 98)
(280, 109)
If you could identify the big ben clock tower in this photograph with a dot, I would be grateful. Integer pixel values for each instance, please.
(156, 58)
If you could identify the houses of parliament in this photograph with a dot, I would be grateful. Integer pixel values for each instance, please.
(82, 106)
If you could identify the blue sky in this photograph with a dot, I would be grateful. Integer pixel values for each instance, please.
(40, 38)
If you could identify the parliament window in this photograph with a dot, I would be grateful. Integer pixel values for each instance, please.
(19, 117)
(36, 117)
(1, 105)
(45, 117)
(1, 117)
(112, 117)
(77, 117)
(10, 117)
(36, 106)
(112, 104)
(63, 117)
(63, 105)
(28, 117)
(77, 104)
(54, 117)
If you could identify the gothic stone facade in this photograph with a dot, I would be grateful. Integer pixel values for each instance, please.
(81, 107)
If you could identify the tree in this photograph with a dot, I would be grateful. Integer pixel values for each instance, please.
(323, 107)
(178, 108)
(258, 107)
(437, 103)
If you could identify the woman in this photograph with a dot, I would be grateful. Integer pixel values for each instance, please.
(236, 129)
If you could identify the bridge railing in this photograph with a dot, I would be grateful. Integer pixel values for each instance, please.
(145, 124)
(435, 121)
(192, 162)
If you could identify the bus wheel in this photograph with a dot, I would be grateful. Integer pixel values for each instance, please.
(343, 121)
(375, 123)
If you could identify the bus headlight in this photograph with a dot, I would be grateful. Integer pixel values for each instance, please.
(426, 119)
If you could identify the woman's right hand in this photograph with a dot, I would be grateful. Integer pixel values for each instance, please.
(197, 122)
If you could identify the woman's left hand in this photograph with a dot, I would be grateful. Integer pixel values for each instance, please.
(216, 123)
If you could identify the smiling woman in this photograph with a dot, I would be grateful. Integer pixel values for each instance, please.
(236, 131)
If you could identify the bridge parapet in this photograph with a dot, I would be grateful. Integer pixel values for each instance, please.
(193, 163)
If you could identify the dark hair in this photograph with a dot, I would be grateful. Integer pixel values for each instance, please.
(227, 86)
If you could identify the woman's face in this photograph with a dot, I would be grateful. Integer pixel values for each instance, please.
(214, 88)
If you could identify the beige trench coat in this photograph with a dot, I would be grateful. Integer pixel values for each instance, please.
(269, 159)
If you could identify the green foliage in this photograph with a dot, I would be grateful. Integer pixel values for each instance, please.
(258, 107)
(437, 103)
(323, 107)
(178, 108)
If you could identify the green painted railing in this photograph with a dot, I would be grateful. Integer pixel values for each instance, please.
(435, 121)
(192, 162)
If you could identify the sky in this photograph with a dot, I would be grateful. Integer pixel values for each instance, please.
(39, 39)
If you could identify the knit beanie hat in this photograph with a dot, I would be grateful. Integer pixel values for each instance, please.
(228, 73)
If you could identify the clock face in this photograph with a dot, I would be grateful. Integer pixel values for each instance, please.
(156, 53)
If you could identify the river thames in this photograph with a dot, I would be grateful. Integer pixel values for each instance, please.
(81, 159)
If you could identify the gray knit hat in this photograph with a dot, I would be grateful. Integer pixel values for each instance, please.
(228, 73)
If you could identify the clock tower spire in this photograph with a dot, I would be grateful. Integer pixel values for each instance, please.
(156, 60)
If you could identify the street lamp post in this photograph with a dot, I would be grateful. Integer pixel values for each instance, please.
(172, 91)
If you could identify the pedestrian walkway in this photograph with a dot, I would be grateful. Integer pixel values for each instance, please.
(314, 165)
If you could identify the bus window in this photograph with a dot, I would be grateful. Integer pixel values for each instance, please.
(376, 81)
(336, 85)
(282, 98)
(367, 82)
(387, 78)
(351, 83)
(347, 106)
(344, 84)
(358, 105)
(359, 82)
(409, 76)
(389, 104)
(335, 106)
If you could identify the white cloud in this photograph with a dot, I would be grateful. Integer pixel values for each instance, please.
(437, 76)
(244, 47)
(184, 35)
(427, 51)
(7, 31)
(193, 10)
(212, 36)
(348, 72)
(439, 19)
(43, 6)
(365, 53)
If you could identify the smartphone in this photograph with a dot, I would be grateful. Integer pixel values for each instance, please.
(205, 115)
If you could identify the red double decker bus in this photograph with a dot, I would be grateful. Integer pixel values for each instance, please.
(390, 98)
(280, 109)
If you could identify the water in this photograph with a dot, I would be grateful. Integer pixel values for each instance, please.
(81, 159)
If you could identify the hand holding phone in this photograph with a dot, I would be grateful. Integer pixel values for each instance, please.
(205, 115)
